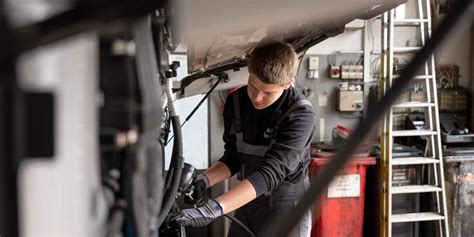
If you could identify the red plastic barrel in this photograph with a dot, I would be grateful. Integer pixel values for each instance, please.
(341, 206)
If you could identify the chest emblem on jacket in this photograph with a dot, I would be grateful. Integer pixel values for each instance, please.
(268, 133)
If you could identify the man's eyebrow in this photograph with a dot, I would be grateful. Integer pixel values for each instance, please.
(251, 84)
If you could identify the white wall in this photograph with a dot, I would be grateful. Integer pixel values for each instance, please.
(350, 40)
(457, 49)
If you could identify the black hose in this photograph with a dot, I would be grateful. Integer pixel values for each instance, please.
(169, 175)
(283, 224)
(177, 160)
(219, 79)
(241, 224)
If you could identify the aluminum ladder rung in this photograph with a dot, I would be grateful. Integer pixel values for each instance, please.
(416, 104)
(415, 217)
(406, 49)
(409, 22)
(414, 161)
(415, 189)
(413, 133)
(420, 77)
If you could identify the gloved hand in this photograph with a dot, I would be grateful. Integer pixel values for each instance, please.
(199, 193)
(200, 216)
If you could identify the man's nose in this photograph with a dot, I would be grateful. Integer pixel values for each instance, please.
(258, 96)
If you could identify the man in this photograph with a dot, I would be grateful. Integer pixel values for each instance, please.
(268, 130)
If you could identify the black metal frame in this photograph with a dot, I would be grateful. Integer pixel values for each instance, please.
(10, 148)
(10, 132)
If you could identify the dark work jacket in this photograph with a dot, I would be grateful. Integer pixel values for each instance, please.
(288, 156)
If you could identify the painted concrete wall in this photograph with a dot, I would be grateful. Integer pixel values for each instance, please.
(457, 49)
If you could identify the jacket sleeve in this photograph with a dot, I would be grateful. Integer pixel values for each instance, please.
(230, 157)
(293, 138)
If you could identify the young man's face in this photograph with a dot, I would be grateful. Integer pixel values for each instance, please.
(263, 95)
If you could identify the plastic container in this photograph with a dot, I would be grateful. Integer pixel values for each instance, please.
(340, 210)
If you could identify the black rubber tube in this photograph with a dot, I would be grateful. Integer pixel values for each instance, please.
(241, 224)
(168, 176)
(177, 162)
(282, 224)
(199, 104)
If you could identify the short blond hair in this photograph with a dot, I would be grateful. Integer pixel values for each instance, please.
(273, 63)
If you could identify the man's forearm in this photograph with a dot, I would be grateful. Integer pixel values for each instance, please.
(217, 173)
(238, 196)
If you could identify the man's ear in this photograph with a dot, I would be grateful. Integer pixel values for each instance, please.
(287, 85)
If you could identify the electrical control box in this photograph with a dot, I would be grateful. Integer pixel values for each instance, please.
(350, 101)
(352, 72)
(334, 71)
(313, 63)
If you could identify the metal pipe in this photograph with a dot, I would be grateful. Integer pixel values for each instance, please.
(173, 110)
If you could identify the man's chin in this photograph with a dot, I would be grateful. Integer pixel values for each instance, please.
(259, 107)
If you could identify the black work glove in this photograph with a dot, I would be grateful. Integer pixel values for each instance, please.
(200, 216)
(198, 194)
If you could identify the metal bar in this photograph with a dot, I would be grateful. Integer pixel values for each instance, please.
(410, 22)
(405, 49)
(421, 77)
(411, 133)
(416, 217)
(10, 131)
(438, 152)
(415, 161)
(416, 189)
(389, 155)
(283, 223)
(412, 104)
(386, 136)
(219, 79)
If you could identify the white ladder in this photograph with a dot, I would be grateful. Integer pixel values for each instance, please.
(432, 158)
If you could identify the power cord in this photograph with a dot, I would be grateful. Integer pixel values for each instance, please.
(221, 77)
(241, 224)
